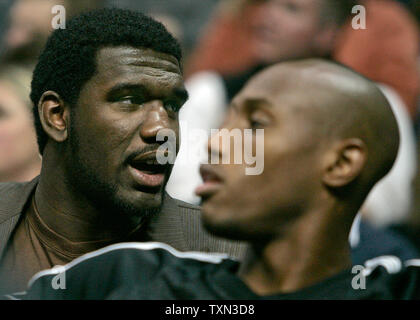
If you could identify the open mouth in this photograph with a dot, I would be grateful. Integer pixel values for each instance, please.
(150, 167)
(147, 171)
(212, 182)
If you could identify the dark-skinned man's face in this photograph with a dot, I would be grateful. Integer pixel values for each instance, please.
(112, 141)
(241, 206)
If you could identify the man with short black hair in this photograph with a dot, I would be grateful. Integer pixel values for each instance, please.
(103, 88)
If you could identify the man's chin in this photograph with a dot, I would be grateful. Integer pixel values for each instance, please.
(144, 200)
(224, 230)
(216, 223)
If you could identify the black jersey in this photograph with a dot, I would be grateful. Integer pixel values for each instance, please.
(157, 271)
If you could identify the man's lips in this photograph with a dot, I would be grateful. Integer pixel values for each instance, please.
(212, 181)
(147, 171)
(147, 179)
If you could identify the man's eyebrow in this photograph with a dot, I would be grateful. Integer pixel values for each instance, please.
(251, 103)
(180, 93)
(126, 86)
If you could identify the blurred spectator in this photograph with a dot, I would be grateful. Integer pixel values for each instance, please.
(226, 45)
(29, 27)
(189, 15)
(244, 33)
(293, 29)
(386, 51)
(30, 23)
(19, 157)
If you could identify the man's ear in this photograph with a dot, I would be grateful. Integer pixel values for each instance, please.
(54, 116)
(345, 163)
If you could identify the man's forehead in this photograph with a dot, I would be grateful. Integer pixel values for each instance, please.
(281, 93)
(137, 57)
(262, 88)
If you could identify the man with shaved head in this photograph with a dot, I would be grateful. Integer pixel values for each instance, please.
(329, 136)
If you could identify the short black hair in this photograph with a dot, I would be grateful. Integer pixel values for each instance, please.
(68, 59)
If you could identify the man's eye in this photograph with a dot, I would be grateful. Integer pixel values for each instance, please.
(256, 124)
(259, 119)
(130, 100)
(172, 106)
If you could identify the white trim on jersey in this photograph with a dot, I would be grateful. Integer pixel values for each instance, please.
(354, 235)
(412, 263)
(215, 258)
(392, 264)
(12, 296)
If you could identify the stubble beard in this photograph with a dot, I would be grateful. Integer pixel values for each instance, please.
(103, 195)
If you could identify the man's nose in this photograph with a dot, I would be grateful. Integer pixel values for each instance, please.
(156, 119)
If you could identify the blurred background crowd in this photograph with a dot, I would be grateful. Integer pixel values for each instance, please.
(225, 42)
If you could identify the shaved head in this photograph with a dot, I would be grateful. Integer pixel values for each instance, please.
(338, 104)
(329, 136)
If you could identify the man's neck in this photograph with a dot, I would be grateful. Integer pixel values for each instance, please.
(312, 250)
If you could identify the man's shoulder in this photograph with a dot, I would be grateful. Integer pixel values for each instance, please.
(13, 197)
(171, 203)
(16, 187)
(6, 187)
(187, 206)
